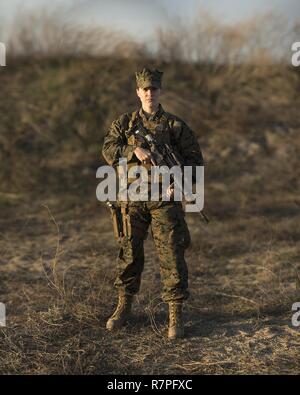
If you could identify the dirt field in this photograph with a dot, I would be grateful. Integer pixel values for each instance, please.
(57, 270)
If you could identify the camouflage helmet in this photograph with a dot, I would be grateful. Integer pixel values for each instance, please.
(147, 78)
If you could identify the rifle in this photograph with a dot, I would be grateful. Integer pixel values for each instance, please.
(161, 154)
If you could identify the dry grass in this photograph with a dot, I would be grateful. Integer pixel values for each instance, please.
(57, 251)
(57, 271)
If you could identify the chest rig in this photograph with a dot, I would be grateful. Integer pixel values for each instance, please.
(159, 127)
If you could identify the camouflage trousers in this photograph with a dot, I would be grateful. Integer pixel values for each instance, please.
(171, 238)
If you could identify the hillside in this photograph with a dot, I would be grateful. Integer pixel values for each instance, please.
(57, 250)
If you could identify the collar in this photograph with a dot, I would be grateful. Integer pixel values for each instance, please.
(151, 117)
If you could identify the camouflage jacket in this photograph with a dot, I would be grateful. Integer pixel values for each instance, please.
(166, 127)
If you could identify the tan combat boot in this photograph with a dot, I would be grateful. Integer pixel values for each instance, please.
(117, 320)
(176, 328)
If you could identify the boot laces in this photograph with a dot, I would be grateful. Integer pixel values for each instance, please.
(123, 305)
(175, 313)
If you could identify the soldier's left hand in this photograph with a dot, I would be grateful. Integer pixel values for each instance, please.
(170, 192)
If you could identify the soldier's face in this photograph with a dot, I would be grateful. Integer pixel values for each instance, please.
(149, 96)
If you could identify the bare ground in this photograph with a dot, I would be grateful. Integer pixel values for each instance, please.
(57, 272)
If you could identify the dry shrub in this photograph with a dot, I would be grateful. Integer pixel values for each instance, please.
(49, 34)
(261, 39)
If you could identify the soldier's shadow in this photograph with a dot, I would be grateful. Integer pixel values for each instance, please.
(144, 319)
(194, 327)
(213, 323)
(204, 324)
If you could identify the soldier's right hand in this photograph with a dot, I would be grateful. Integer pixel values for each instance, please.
(143, 154)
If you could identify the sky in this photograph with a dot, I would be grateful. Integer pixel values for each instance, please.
(142, 17)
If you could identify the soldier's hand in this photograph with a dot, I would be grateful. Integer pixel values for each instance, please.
(143, 155)
(170, 191)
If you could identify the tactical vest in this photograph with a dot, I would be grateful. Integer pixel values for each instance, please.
(160, 128)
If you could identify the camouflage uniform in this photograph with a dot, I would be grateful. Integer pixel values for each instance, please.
(169, 230)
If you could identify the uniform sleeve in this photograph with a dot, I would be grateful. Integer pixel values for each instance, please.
(188, 147)
(115, 145)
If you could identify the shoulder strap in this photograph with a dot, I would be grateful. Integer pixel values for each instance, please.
(168, 119)
(133, 119)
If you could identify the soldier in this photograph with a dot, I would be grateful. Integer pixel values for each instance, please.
(169, 229)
